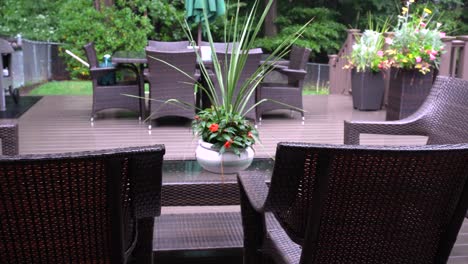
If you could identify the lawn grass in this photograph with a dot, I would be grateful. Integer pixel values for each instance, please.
(64, 88)
(85, 88)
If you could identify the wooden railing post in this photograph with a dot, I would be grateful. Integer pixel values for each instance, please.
(340, 79)
(386, 73)
(463, 62)
(446, 57)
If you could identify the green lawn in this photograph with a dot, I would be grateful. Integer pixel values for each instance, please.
(64, 88)
(85, 88)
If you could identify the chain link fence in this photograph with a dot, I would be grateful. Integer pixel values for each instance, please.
(37, 62)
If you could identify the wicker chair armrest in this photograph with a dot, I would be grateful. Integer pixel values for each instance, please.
(9, 137)
(99, 72)
(255, 188)
(407, 126)
(294, 74)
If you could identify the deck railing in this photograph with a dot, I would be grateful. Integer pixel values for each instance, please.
(454, 62)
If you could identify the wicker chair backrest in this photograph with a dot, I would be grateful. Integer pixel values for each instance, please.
(91, 55)
(298, 57)
(446, 112)
(251, 65)
(71, 208)
(221, 46)
(169, 45)
(354, 204)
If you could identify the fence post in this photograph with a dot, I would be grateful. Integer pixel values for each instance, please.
(446, 57)
(463, 63)
(340, 79)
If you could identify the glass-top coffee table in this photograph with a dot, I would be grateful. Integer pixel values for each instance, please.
(201, 234)
(185, 183)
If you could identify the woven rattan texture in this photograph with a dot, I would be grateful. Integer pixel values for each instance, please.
(9, 137)
(112, 96)
(364, 204)
(194, 194)
(169, 83)
(251, 65)
(443, 117)
(290, 93)
(169, 45)
(57, 208)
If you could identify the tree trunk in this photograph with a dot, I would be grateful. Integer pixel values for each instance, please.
(270, 27)
(99, 3)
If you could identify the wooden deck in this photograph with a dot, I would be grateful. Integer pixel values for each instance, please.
(61, 124)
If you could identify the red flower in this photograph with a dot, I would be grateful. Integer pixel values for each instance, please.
(228, 144)
(197, 117)
(250, 134)
(214, 127)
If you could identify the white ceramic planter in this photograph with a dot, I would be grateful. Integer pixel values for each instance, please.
(225, 163)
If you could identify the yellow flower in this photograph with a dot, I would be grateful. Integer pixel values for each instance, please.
(404, 60)
(418, 66)
(427, 11)
(405, 10)
(410, 56)
(411, 1)
(390, 52)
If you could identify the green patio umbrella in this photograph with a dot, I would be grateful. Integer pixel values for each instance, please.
(194, 12)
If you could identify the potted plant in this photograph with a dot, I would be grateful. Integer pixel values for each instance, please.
(367, 60)
(414, 54)
(226, 135)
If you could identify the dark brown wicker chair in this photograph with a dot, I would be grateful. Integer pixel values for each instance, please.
(112, 96)
(355, 204)
(169, 45)
(251, 65)
(87, 207)
(9, 138)
(287, 93)
(443, 117)
(169, 83)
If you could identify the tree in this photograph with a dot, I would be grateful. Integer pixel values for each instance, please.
(270, 27)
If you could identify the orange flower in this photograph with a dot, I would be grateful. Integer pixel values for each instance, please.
(250, 134)
(214, 127)
(228, 144)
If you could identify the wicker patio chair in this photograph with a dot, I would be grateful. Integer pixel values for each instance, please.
(85, 207)
(111, 96)
(166, 82)
(9, 138)
(287, 93)
(443, 117)
(169, 45)
(355, 204)
(251, 65)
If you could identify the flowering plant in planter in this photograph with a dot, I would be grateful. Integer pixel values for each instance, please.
(416, 43)
(368, 53)
(234, 133)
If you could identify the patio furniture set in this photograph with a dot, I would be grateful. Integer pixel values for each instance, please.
(166, 82)
(315, 204)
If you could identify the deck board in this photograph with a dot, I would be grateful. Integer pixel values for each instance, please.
(61, 124)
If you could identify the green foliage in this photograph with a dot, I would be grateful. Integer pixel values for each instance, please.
(64, 88)
(235, 133)
(33, 21)
(367, 53)
(417, 40)
(323, 35)
(111, 30)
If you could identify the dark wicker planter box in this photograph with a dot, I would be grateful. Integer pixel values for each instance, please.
(407, 91)
(368, 90)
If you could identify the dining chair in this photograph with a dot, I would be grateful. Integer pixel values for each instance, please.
(84, 207)
(107, 94)
(356, 204)
(9, 138)
(169, 45)
(250, 67)
(285, 95)
(171, 77)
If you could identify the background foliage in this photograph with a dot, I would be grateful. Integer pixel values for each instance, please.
(130, 23)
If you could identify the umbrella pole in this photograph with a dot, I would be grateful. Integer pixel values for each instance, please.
(199, 38)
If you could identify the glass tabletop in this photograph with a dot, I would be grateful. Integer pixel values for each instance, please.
(129, 57)
(189, 171)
